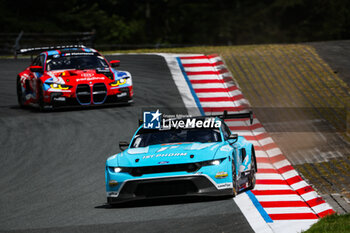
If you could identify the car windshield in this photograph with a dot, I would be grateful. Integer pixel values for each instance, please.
(79, 62)
(153, 137)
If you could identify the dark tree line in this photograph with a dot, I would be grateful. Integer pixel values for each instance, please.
(206, 22)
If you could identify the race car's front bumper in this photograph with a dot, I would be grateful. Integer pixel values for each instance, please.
(87, 96)
(194, 185)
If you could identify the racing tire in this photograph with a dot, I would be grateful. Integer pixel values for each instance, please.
(20, 97)
(42, 106)
(234, 181)
(253, 170)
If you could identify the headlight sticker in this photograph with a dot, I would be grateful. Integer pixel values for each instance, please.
(59, 86)
(118, 82)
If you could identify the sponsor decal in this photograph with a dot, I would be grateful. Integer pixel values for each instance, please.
(221, 175)
(87, 75)
(164, 155)
(225, 185)
(163, 162)
(77, 54)
(90, 79)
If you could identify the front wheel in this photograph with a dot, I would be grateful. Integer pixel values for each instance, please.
(234, 181)
(20, 96)
(42, 105)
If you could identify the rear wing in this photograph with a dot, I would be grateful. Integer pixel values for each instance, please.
(225, 115)
(35, 51)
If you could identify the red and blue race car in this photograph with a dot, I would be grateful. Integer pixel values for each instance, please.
(72, 76)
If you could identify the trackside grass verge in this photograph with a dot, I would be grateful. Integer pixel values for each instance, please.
(332, 223)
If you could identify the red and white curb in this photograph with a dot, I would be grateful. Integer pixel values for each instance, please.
(289, 203)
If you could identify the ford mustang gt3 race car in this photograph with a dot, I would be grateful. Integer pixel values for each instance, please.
(183, 159)
(72, 75)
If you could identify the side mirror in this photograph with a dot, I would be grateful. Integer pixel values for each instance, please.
(36, 68)
(115, 63)
(233, 137)
(122, 145)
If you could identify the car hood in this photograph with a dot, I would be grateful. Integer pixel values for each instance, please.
(167, 154)
(71, 77)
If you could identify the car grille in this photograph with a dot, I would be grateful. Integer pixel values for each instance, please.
(83, 93)
(159, 189)
(99, 93)
(187, 167)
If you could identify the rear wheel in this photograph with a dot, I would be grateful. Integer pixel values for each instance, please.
(20, 95)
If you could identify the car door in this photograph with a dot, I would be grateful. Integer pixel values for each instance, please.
(236, 156)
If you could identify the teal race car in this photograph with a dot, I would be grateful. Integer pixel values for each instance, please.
(194, 156)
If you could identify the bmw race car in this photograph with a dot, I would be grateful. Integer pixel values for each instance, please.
(72, 75)
(183, 158)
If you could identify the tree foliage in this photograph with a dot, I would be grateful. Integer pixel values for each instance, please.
(183, 21)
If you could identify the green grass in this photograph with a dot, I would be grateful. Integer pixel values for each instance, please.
(332, 224)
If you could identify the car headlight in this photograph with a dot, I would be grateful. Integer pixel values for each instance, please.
(119, 82)
(214, 162)
(117, 169)
(60, 86)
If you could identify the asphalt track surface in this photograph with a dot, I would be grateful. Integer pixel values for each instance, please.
(52, 164)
